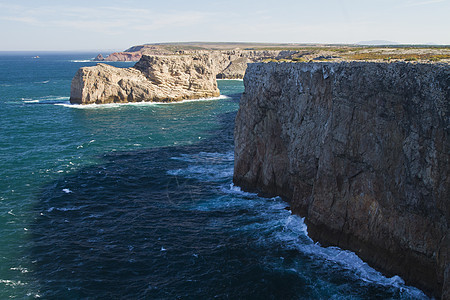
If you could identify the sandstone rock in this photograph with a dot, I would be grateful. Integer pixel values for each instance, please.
(231, 64)
(153, 78)
(186, 75)
(235, 69)
(227, 64)
(362, 151)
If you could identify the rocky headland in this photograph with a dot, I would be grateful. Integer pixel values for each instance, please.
(361, 150)
(153, 78)
(228, 64)
(165, 77)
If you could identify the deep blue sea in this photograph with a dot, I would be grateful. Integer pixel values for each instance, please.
(137, 202)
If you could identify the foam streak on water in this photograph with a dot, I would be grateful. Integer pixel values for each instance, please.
(149, 103)
(278, 226)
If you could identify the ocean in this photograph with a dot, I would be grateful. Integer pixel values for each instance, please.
(136, 201)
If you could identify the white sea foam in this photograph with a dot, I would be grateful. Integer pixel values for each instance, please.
(82, 60)
(277, 224)
(204, 173)
(95, 61)
(148, 103)
(206, 166)
(235, 190)
(46, 100)
(65, 208)
(21, 269)
(12, 283)
(209, 157)
(291, 232)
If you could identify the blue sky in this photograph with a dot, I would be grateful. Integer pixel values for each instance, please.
(117, 25)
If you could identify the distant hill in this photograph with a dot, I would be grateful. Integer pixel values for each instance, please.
(377, 43)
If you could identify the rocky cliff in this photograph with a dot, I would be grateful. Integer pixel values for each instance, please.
(228, 64)
(231, 64)
(362, 151)
(153, 78)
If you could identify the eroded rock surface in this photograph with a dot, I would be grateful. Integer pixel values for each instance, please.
(227, 64)
(153, 78)
(362, 151)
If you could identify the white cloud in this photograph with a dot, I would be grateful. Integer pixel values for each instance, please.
(119, 24)
(106, 20)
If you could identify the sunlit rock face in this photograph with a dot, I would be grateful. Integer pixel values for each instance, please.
(153, 78)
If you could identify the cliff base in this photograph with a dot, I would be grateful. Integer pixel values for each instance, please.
(362, 151)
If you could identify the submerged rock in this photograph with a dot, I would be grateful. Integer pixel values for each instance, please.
(153, 78)
(362, 151)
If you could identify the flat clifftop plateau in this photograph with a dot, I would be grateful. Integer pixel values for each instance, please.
(153, 78)
(231, 59)
(361, 150)
(297, 52)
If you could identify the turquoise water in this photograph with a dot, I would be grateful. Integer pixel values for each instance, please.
(137, 201)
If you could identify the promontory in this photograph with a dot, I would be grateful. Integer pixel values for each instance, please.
(174, 72)
(361, 150)
(153, 78)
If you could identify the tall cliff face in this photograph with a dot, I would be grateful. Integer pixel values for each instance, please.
(362, 151)
(153, 78)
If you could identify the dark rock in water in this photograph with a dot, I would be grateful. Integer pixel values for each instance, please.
(99, 58)
(362, 151)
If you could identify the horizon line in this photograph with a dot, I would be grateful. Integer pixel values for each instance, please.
(361, 43)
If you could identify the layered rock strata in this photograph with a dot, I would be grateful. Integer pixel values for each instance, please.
(362, 151)
(232, 64)
(153, 78)
(228, 64)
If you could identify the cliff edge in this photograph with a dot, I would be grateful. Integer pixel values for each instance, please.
(362, 151)
(153, 78)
